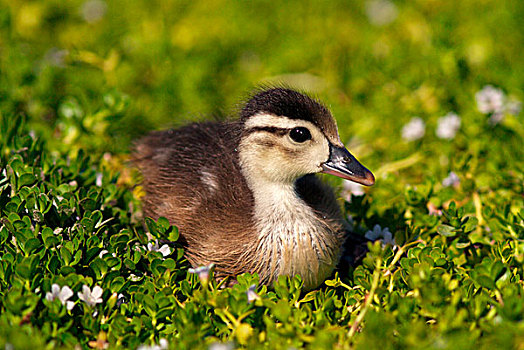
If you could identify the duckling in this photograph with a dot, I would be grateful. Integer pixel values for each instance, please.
(244, 193)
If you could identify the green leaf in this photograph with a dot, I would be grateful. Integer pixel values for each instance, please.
(31, 245)
(446, 230)
(53, 264)
(281, 310)
(462, 245)
(497, 270)
(157, 267)
(99, 267)
(152, 227)
(129, 264)
(163, 223)
(51, 241)
(117, 284)
(169, 264)
(173, 234)
(27, 267)
(88, 204)
(485, 281)
(149, 305)
(66, 255)
(470, 224)
(67, 270)
(26, 179)
(24, 270)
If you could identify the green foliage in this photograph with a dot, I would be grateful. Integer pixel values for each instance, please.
(80, 266)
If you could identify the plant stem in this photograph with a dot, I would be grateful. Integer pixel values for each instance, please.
(368, 299)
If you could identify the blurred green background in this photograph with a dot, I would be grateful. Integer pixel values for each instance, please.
(94, 75)
(121, 68)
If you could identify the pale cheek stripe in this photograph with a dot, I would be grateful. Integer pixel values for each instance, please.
(269, 120)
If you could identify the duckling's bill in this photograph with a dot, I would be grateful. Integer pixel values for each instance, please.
(343, 164)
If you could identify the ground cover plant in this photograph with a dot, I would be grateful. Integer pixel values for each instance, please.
(427, 94)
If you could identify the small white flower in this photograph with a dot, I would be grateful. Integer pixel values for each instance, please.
(352, 189)
(448, 126)
(414, 130)
(104, 252)
(202, 272)
(221, 346)
(139, 248)
(91, 298)
(252, 294)
(165, 250)
(98, 179)
(134, 278)
(153, 247)
(93, 10)
(490, 100)
(63, 294)
(381, 234)
(162, 345)
(381, 12)
(451, 180)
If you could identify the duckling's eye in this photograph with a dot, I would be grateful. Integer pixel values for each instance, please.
(300, 134)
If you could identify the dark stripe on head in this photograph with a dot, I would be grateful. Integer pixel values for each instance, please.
(291, 104)
(270, 129)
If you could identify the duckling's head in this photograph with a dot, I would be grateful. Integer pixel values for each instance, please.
(288, 135)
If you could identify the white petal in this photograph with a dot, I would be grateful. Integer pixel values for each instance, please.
(86, 293)
(353, 188)
(165, 250)
(70, 305)
(97, 292)
(252, 294)
(163, 343)
(49, 296)
(55, 289)
(414, 130)
(65, 294)
(134, 277)
(86, 290)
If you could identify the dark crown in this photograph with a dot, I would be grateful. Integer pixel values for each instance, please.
(291, 104)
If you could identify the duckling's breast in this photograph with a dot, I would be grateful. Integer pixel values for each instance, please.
(295, 238)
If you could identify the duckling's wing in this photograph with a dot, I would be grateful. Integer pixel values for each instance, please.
(192, 177)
